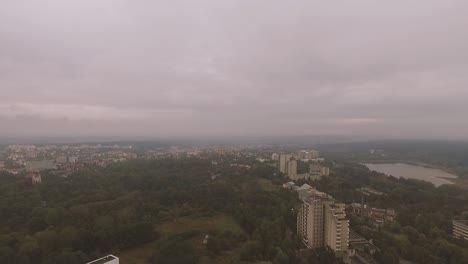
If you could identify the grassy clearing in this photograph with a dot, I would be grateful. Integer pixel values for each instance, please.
(402, 261)
(267, 185)
(225, 223)
(184, 225)
(139, 254)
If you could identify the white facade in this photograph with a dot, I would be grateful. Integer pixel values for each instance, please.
(37, 165)
(275, 156)
(292, 169)
(109, 259)
(283, 163)
(325, 171)
(310, 223)
(321, 222)
(460, 229)
(337, 227)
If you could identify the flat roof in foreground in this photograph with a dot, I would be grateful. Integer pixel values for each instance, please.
(103, 260)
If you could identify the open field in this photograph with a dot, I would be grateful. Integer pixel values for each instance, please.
(267, 185)
(225, 223)
(198, 227)
(140, 254)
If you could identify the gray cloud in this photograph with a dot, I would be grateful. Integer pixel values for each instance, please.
(234, 67)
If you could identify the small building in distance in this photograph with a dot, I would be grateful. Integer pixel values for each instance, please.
(378, 216)
(316, 172)
(35, 177)
(361, 251)
(308, 155)
(324, 171)
(275, 156)
(38, 165)
(109, 259)
(283, 162)
(288, 166)
(369, 191)
(61, 159)
(460, 229)
(290, 185)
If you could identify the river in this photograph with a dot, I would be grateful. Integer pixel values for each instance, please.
(435, 176)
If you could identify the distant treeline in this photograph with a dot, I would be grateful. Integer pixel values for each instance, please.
(449, 155)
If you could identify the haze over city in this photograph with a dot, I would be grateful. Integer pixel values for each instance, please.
(387, 69)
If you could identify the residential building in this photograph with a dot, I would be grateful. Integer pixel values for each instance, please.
(275, 156)
(302, 155)
(308, 176)
(35, 177)
(369, 191)
(320, 221)
(61, 159)
(324, 171)
(109, 259)
(316, 171)
(336, 227)
(38, 165)
(289, 185)
(460, 229)
(310, 217)
(377, 216)
(283, 163)
(314, 168)
(292, 169)
(361, 250)
(307, 154)
(313, 154)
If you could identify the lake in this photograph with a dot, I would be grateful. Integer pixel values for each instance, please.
(412, 171)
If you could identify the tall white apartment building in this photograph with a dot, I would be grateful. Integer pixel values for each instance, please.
(320, 221)
(283, 163)
(336, 227)
(292, 169)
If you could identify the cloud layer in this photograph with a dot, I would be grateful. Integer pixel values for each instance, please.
(234, 67)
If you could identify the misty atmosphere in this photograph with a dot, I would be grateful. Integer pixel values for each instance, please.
(233, 132)
(393, 69)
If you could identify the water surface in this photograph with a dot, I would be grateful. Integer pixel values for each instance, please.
(412, 172)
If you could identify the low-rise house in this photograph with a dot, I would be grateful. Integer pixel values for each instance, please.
(35, 177)
(378, 216)
(289, 185)
(38, 165)
(369, 191)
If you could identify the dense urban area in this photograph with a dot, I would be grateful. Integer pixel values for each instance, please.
(144, 203)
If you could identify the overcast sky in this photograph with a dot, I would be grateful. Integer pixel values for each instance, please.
(392, 69)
